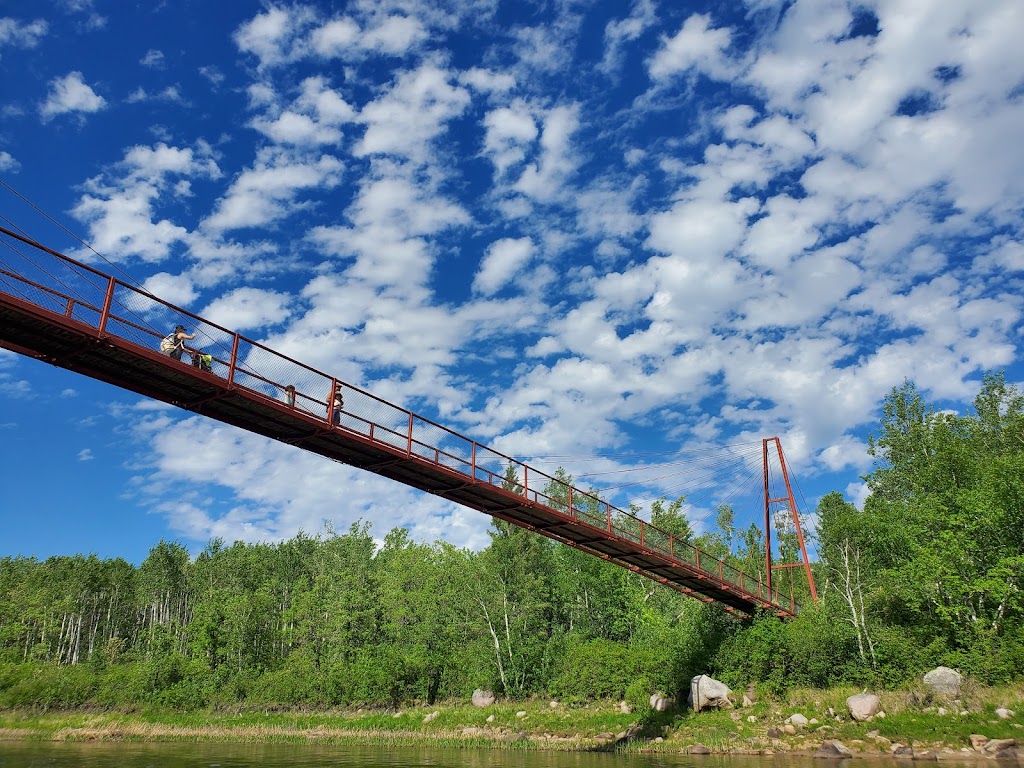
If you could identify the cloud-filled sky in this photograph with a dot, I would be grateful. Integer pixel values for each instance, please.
(567, 229)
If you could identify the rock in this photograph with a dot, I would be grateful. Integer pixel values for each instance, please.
(789, 729)
(925, 754)
(397, 714)
(872, 734)
(832, 749)
(707, 693)
(813, 721)
(633, 731)
(880, 715)
(941, 711)
(490, 718)
(751, 719)
(521, 713)
(774, 733)
(625, 709)
(483, 698)
(978, 741)
(660, 702)
(996, 745)
(735, 716)
(432, 716)
(658, 740)
(1004, 714)
(944, 682)
(863, 706)
(798, 720)
(1010, 753)
(901, 750)
(553, 704)
(697, 749)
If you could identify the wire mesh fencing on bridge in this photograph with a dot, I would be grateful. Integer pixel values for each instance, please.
(53, 282)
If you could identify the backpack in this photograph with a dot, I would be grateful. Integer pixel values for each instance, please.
(168, 343)
(203, 361)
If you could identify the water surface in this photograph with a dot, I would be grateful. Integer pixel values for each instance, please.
(176, 755)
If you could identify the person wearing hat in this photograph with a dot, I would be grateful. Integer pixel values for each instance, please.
(174, 343)
(338, 405)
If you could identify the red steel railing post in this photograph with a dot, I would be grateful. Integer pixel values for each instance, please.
(408, 446)
(108, 299)
(234, 358)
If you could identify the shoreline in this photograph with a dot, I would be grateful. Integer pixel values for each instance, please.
(532, 726)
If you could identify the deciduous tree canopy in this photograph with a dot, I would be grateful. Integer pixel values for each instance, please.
(929, 572)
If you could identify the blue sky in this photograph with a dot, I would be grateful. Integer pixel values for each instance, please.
(569, 228)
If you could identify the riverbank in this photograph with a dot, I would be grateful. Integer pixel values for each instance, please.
(930, 729)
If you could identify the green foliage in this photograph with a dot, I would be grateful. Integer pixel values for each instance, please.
(929, 572)
(638, 695)
(594, 669)
(43, 685)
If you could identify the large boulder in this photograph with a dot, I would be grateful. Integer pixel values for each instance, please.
(944, 682)
(863, 706)
(707, 693)
(483, 698)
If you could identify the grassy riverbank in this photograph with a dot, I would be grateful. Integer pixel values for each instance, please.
(909, 719)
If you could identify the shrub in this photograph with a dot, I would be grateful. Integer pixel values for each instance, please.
(638, 694)
(594, 669)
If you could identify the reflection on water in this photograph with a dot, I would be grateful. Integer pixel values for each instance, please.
(105, 755)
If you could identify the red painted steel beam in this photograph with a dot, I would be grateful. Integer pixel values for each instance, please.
(39, 332)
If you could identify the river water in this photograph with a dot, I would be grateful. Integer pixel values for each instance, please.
(167, 755)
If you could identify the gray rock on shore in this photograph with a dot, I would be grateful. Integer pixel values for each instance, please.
(708, 693)
(944, 682)
(863, 706)
(832, 749)
(660, 702)
(483, 698)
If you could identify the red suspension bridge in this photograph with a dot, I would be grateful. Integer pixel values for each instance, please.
(66, 313)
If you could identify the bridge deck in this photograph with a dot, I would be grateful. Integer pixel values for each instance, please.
(97, 326)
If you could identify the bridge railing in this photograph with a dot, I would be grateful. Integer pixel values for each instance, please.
(55, 282)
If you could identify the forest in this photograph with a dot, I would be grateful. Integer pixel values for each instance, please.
(929, 572)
